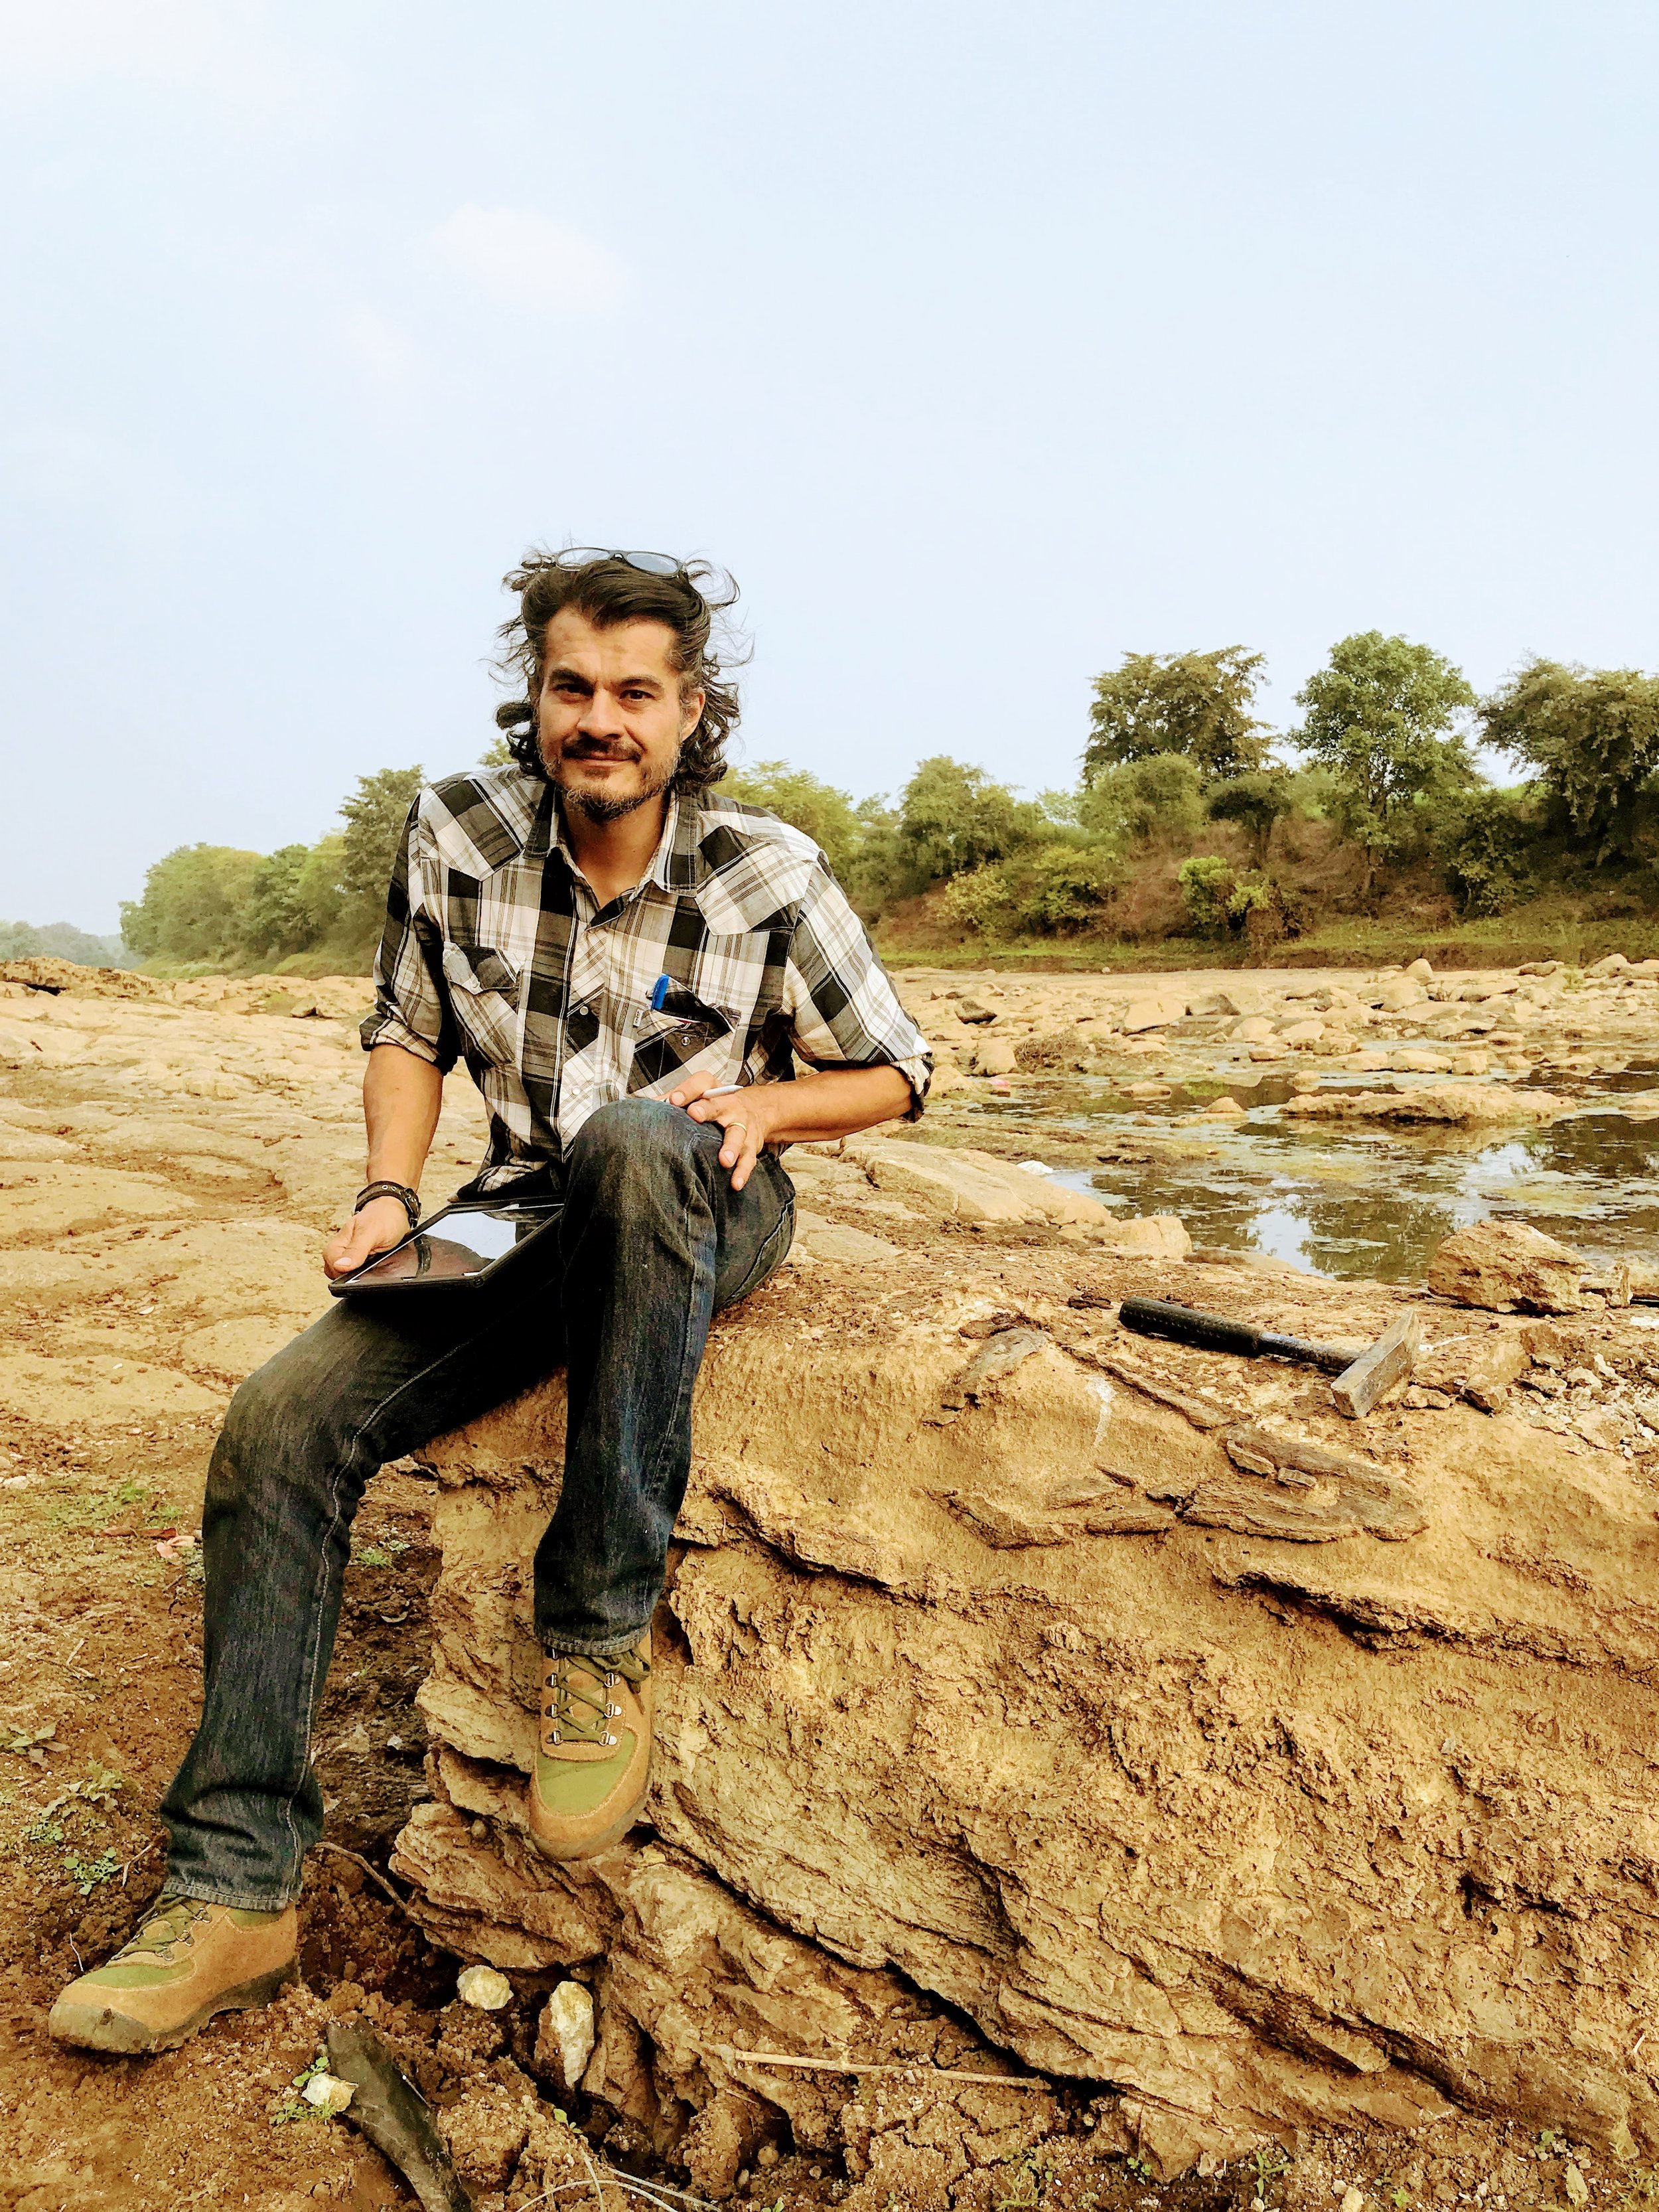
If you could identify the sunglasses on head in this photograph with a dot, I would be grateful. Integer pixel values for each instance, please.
(649, 564)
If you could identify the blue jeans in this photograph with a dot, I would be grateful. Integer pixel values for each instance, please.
(652, 1240)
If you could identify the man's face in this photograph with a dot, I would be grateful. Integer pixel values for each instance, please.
(611, 717)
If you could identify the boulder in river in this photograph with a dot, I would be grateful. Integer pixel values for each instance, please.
(1508, 1267)
(1456, 1105)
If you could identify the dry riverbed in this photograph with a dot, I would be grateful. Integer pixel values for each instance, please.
(171, 1156)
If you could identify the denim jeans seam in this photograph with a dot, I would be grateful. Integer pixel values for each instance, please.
(686, 1389)
(336, 1516)
(309, 1671)
(763, 1263)
(241, 1900)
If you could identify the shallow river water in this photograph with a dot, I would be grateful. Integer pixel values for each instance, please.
(1351, 1200)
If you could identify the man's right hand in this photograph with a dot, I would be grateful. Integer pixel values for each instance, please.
(382, 1223)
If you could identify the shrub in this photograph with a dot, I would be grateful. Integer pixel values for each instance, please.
(1143, 799)
(1052, 890)
(1487, 848)
(1219, 898)
(979, 900)
(1206, 884)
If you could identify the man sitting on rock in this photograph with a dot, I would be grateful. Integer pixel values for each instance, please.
(535, 912)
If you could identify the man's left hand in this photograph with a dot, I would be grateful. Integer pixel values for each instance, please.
(743, 1113)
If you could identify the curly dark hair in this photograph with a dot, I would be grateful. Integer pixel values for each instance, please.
(692, 601)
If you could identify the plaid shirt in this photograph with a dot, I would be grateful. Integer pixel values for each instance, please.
(497, 950)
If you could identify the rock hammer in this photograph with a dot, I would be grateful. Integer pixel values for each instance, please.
(1362, 1376)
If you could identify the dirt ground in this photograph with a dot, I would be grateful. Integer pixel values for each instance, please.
(166, 1174)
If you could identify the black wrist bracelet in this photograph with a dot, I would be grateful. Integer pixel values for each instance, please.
(408, 1198)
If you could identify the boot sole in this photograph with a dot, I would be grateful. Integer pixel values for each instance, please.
(100, 2027)
(591, 1846)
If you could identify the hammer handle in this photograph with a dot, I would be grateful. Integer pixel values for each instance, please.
(1209, 1332)
(1205, 1332)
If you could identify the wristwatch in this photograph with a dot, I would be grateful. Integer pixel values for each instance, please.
(409, 1200)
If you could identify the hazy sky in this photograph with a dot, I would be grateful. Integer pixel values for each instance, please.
(982, 343)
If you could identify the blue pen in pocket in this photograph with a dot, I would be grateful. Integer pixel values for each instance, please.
(653, 1004)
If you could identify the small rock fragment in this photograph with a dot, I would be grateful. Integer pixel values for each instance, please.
(482, 1987)
(1576, 2187)
(566, 2028)
(995, 1056)
(328, 2094)
(1354, 2202)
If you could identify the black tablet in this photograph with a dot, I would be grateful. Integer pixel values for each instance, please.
(460, 1247)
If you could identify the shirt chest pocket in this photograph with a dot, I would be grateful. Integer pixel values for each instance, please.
(686, 1036)
(483, 991)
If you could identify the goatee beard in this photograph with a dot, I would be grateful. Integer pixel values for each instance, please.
(599, 806)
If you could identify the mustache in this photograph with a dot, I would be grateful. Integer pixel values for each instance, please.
(616, 748)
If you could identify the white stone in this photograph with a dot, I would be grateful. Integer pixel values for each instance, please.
(483, 1988)
(568, 2020)
(328, 2094)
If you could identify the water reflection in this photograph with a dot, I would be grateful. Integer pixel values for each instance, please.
(1354, 1199)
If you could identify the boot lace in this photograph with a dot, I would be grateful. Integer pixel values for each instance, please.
(169, 1921)
(579, 1688)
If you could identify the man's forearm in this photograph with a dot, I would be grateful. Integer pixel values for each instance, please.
(817, 1108)
(403, 1098)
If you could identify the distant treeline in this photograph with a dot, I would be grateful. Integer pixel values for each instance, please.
(214, 906)
(62, 940)
(1176, 762)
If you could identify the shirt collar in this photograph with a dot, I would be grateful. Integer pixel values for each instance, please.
(673, 865)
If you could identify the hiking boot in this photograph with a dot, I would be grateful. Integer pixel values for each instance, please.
(593, 1751)
(188, 1960)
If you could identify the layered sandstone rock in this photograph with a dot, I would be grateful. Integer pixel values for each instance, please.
(1188, 1742)
(1509, 1266)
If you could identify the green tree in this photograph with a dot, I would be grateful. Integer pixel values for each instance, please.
(375, 815)
(1255, 800)
(826, 815)
(1382, 715)
(1592, 734)
(1194, 703)
(320, 893)
(1159, 796)
(275, 919)
(195, 904)
(952, 817)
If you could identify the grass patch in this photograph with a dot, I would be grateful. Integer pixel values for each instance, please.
(86, 1511)
(1548, 929)
(380, 1554)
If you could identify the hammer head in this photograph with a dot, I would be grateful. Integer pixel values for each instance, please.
(1389, 1361)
